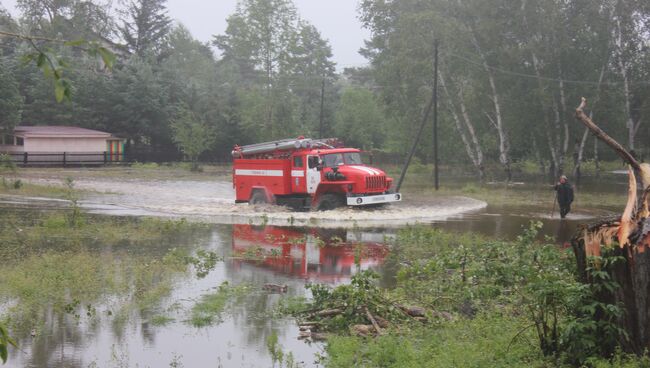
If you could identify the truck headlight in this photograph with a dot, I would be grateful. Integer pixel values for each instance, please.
(359, 200)
(397, 197)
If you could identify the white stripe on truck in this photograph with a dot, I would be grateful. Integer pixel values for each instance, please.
(297, 173)
(244, 172)
(367, 170)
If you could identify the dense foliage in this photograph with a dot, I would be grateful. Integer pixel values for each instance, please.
(511, 73)
(489, 303)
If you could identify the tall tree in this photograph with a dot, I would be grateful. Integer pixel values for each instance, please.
(145, 24)
(192, 135)
(11, 102)
(281, 58)
(359, 119)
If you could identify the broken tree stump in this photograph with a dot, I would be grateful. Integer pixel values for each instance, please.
(626, 237)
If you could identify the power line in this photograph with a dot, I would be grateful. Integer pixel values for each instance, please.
(550, 79)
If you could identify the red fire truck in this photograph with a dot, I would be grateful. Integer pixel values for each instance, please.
(307, 173)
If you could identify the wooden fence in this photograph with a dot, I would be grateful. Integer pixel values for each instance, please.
(65, 158)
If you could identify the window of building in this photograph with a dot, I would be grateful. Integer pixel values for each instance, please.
(20, 141)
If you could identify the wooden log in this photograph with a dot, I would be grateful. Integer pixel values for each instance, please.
(310, 323)
(361, 330)
(372, 320)
(329, 312)
(319, 336)
(274, 288)
(383, 323)
(304, 334)
(412, 310)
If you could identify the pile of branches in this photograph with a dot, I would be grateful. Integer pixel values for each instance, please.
(360, 308)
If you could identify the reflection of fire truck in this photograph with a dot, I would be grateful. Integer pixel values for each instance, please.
(317, 254)
(307, 173)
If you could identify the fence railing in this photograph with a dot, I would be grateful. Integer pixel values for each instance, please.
(65, 158)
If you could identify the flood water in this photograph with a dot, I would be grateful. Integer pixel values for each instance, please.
(254, 255)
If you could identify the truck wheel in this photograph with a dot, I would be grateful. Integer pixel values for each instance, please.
(258, 197)
(330, 201)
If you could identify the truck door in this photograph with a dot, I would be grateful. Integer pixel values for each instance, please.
(298, 182)
(313, 175)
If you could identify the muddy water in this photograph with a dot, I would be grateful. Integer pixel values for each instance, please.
(213, 201)
(254, 256)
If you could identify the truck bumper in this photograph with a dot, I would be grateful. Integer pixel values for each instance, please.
(374, 199)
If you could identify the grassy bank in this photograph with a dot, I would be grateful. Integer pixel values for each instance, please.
(528, 188)
(152, 171)
(487, 304)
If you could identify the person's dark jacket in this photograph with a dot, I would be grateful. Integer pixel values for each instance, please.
(564, 193)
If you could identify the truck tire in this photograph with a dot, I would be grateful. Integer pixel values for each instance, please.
(330, 201)
(258, 197)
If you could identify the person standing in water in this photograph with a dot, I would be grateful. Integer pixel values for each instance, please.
(564, 195)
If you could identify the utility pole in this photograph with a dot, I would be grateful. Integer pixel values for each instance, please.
(322, 105)
(435, 115)
(432, 104)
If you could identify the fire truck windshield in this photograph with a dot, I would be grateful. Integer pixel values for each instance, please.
(336, 159)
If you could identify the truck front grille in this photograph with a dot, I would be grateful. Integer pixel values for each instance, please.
(376, 182)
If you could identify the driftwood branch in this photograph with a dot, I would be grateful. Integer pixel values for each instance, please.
(624, 154)
(373, 321)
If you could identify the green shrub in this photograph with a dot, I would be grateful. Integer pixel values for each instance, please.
(6, 164)
(144, 165)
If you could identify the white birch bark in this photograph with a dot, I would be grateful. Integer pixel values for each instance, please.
(504, 145)
(473, 147)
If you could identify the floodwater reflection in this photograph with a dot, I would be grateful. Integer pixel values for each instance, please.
(316, 255)
(123, 332)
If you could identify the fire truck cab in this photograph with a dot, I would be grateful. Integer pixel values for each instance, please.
(308, 173)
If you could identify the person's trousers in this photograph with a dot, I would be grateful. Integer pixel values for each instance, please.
(564, 209)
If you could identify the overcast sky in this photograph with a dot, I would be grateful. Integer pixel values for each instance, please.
(336, 20)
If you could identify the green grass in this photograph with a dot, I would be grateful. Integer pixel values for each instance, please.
(494, 292)
(153, 171)
(485, 341)
(37, 190)
(22, 235)
(161, 320)
(535, 191)
(208, 309)
(530, 195)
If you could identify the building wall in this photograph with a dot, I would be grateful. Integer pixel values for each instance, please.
(33, 145)
(5, 148)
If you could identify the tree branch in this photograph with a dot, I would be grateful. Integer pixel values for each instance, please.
(624, 154)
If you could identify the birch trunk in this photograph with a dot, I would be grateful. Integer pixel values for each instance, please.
(473, 147)
(504, 145)
(623, 70)
(558, 139)
(472, 134)
(585, 135)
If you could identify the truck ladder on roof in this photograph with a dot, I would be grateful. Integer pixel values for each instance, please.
(280, 145)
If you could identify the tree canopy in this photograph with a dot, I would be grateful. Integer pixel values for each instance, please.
(510, 74)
